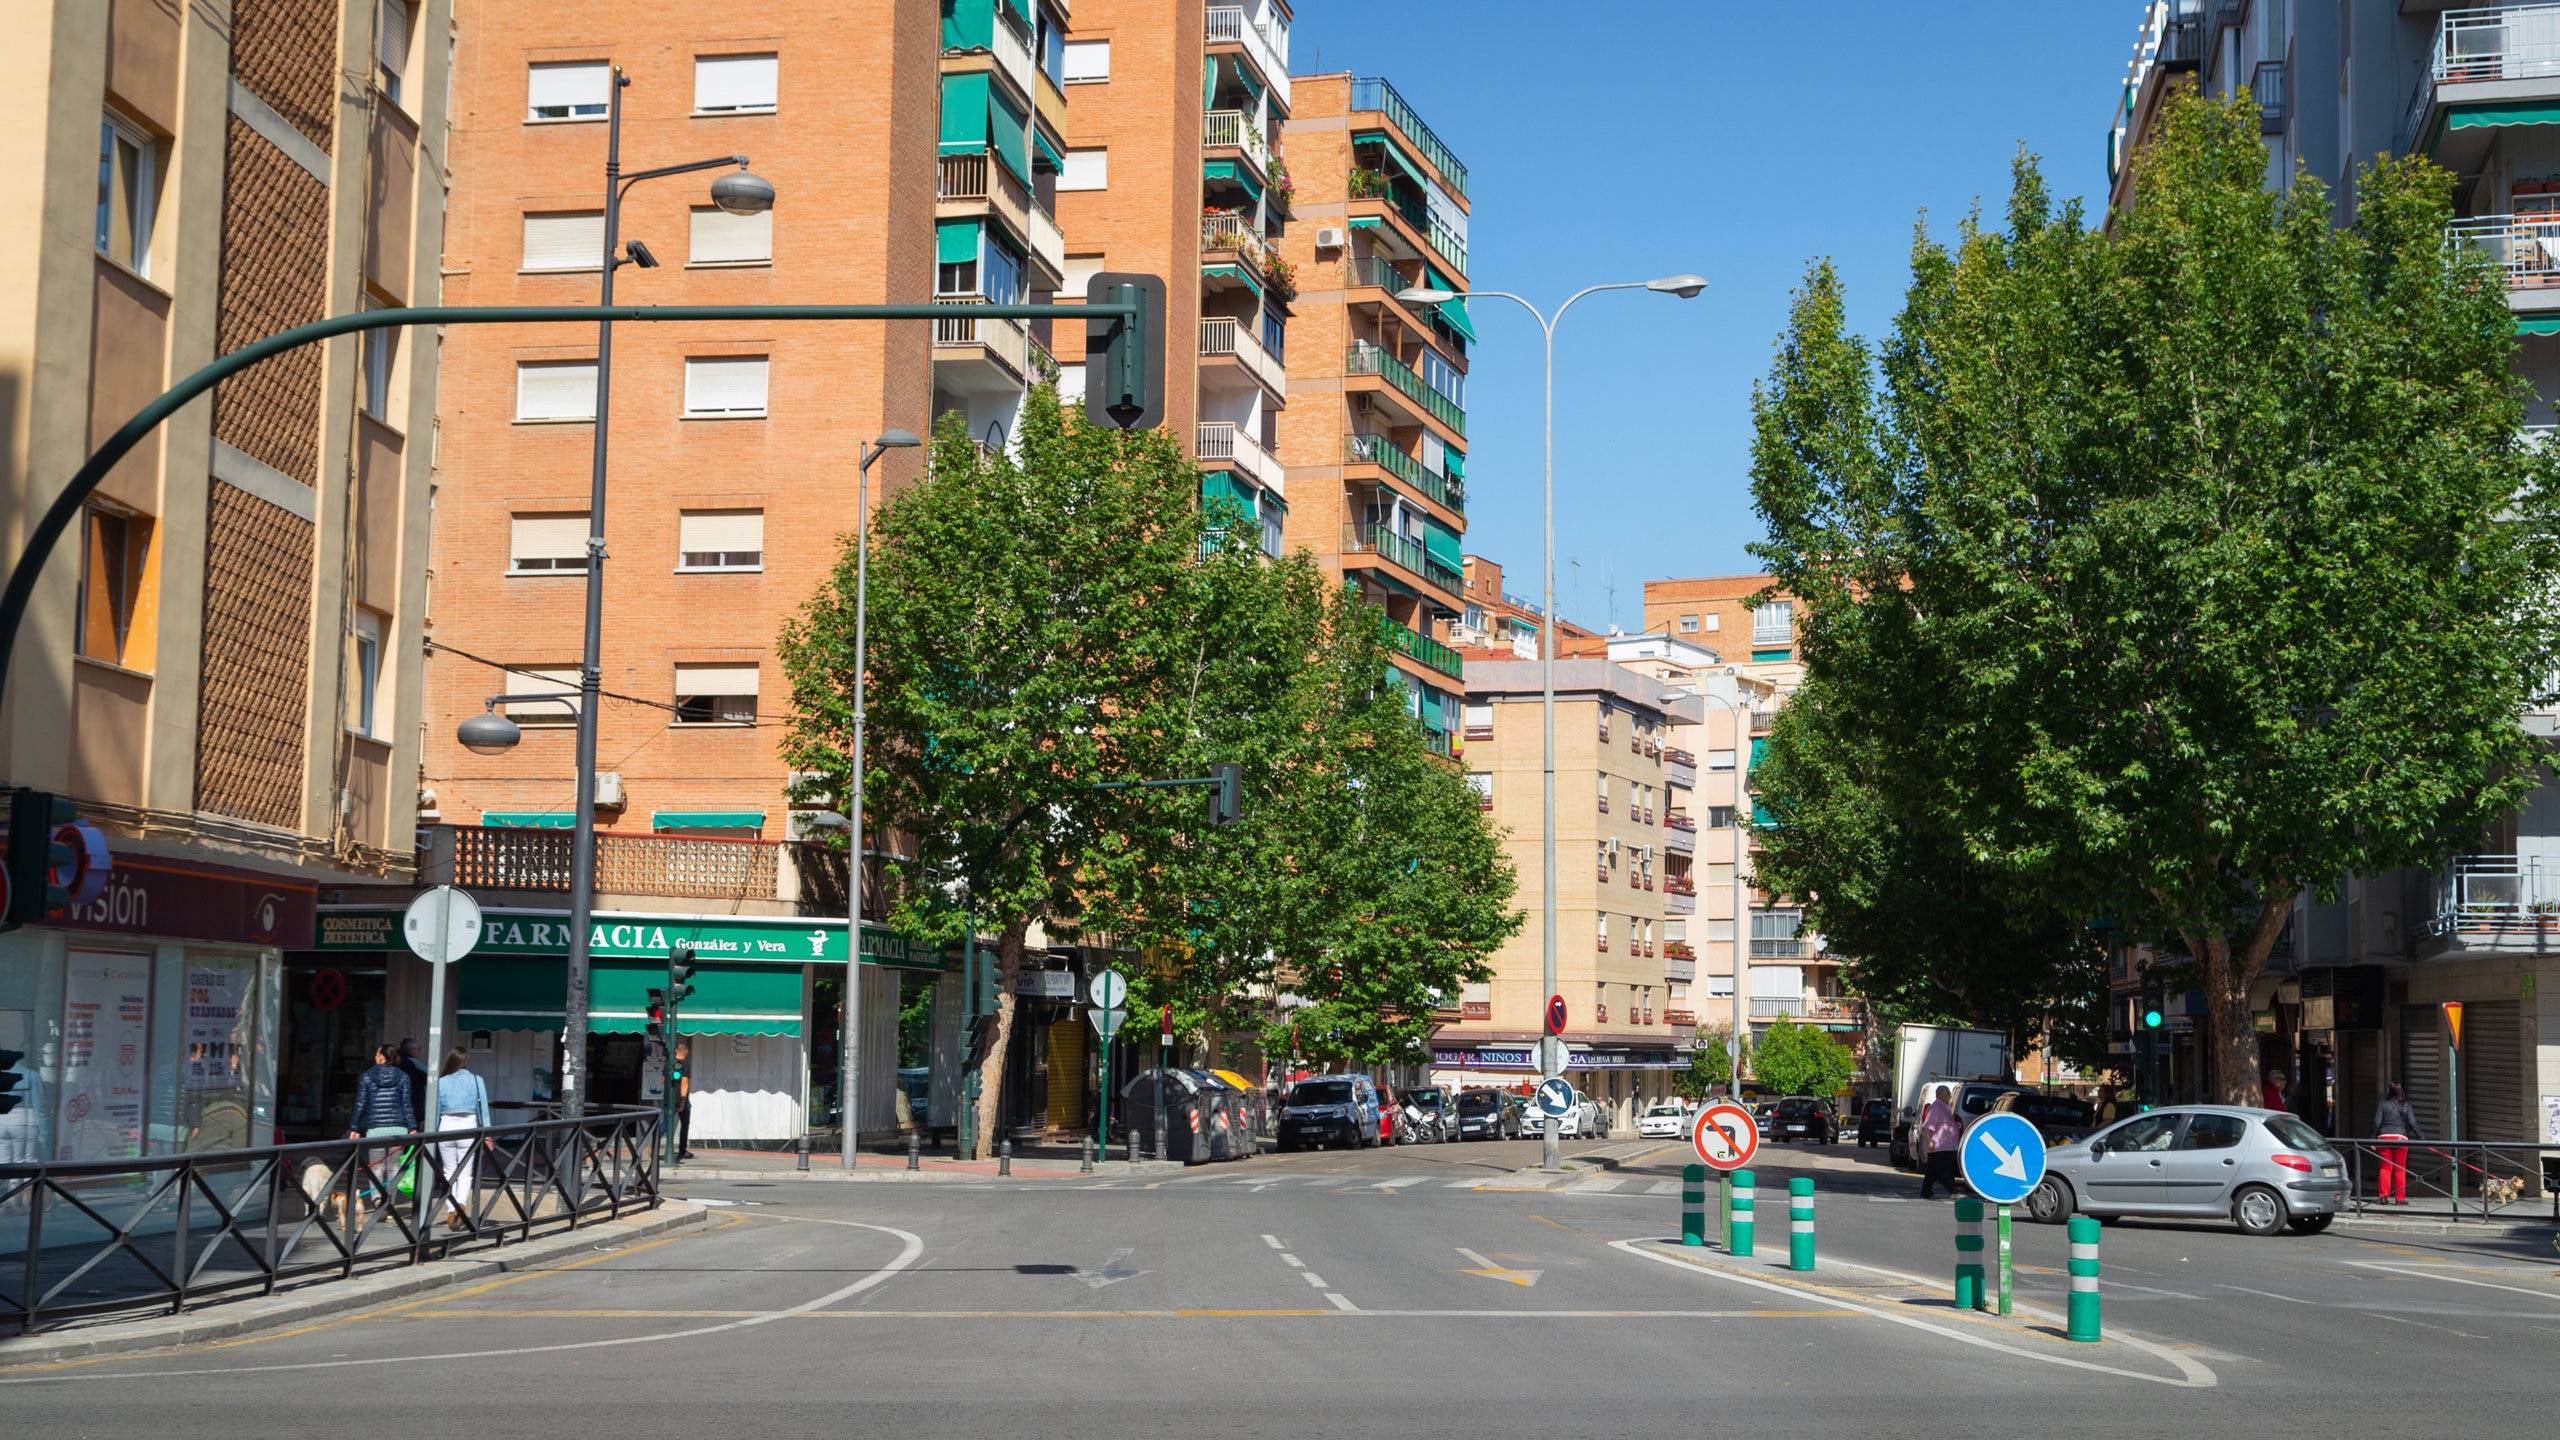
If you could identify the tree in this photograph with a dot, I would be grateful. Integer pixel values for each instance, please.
(1795, 1059)
(2214, 537)
(1708, 1068)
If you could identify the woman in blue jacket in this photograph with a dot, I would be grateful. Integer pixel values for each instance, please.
(462, 1103)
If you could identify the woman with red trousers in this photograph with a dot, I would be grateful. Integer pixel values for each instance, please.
(2394, 1121)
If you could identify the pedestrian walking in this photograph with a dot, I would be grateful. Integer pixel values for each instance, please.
(462, 1103)
(2394, 1125)
(383, 1108)
(1938, 1129)
(683, 1079)
(2271, 1094)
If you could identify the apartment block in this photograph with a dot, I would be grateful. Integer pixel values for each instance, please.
(1498, 622)
(1613, 846)
(1376, 441)
(220, 665)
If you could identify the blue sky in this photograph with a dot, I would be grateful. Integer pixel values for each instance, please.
(1735, 140)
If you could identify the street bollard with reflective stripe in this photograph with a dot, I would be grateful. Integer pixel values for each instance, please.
(1693, 1204)
(1968, 1253)
(1737, 1240)
(1800, 1223)
(2083, 1314)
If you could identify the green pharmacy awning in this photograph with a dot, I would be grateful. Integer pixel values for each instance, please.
(726, 999)
(706, 820)
(529, 819)
(506, 992)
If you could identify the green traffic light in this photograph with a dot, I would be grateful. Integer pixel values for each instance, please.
(2151, 1019)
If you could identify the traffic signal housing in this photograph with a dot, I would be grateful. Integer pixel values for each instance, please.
(2154, 1012)
(1226, 801)
(40, 862)
(1124, 357)
(679, 974)
(658, 1016)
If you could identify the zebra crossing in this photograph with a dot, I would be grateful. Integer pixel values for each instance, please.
(1302, 1183)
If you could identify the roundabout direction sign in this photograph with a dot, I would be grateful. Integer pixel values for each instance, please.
(1726, 1137)
(2003, 1158)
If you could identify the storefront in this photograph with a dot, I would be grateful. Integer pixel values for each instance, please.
(147, 1022)
(1625, 1077)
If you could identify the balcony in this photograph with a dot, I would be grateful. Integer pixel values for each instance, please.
(1227, 230)
(1430, 653)
(2490, 48)
(1012, 48)
(2489, 895)
(1376, 94)
(1235, 130)
(1678, 902)
(1678, 970)
(1225, 337)
(2525, 248)
(1378, 450)
(498, 858)
(1269, 52)
(1001, 343)
(1791, 948)
(1763, 721)
(2267, 87)
(1222, 443)
(1361, 538)
(1765, 1008)
(1679, 836)
(1365, 358)
(1680, 1017)
(1048, 246)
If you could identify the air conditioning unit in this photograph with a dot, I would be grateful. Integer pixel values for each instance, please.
(609, 790)
(1331, 239)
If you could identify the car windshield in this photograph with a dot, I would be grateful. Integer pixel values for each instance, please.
(2296, 1134)
(1479, 1102)
(1879, 1109)
(1978, 1098)
(1673, 1111)
(1796, 1109)
(1429, 1095)
(1321, 1092)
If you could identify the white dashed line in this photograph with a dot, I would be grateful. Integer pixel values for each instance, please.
(1339, 1303)
(1274, 1242)
(1597, 1187)
(1663, 1187)
(1407, 1180)
(1294, 1262)
(1312, 1278)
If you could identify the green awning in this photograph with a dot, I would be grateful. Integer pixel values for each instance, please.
(1364, 222)
(726, 999)
(1011, 131)
(500, 992)
(706, 820)
(529, 819)
(964, 113)
(1232, 170)
(1454, 462)
(1395, 155)
(1441, 543)
(1048, 157)
(1233, 272)
(1453, 313)
(2466, 117)
(1222, 486)
(2528, 325)
(955, 241)
(1243, 75)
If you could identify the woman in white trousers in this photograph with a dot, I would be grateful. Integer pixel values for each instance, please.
(462, 1103)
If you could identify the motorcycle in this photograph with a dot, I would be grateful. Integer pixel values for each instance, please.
(1416, 1126)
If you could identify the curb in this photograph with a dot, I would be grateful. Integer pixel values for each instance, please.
(315, 1299)
(2380, 1226)
(1119, 1170)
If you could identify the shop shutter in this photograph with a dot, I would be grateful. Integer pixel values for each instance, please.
(2422, 1066)
(2492, 1071)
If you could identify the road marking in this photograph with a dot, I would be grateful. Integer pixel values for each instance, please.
(1312, 1278)
(1274, 1242)
(1294, 1262)
(1112, 1271)
(1339, 1303)
(2423, 1325)
(1597, 1187)
(2270, 1294)
(1468, 1184)
(1522, 1278)
(2193, 1375)
(1407, 1180)
(1663, 1187)
(2425, 1274)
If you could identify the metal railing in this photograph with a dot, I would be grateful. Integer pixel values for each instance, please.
(2267, 87)
(1224, 440)
(1763, 721)
(499, 858)
(1006, 340)
(1368, 358)
(1236, 130)
(167, 1233)
(1764, 1008)
(1226, 230)
(2455, 1179)
(1376, 272)
(2509, 42)
(1226, 335)
(2525, 247)
(1380, 451)
(1790, 948)
(1226, 25)
(2492, 893)
(1376, 94)
(969, 175)
(1362, 538)
(1423, 648)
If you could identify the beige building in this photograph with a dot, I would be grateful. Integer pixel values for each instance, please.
(221, 664)
(1613, 802)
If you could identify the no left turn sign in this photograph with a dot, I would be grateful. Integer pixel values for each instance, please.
(1727, 1137)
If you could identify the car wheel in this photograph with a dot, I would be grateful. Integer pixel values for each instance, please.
(2050, 1204)
(2258, 1210)
(2310, 1224)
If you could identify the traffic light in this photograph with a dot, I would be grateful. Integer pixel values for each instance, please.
(1124, 359)
(658, 1016)
(679, 974)
(1226, 802)
(2154, 1012)
(42, 863)
(10, 1080)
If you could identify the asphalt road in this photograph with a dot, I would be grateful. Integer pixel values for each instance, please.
(1395, 1292)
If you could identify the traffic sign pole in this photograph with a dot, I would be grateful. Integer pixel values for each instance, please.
(1106, 992)
(2003, 1224)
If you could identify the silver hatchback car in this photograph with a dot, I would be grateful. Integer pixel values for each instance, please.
(2263, 1169)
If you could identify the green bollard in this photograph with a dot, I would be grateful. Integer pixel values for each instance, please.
(1968, 1253)
(1800, 1223)
(1693, 1204)
(2084, 1278)
(1737, 1241)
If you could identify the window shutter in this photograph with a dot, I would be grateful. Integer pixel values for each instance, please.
(556, 390)
(720, 537)
(725, 385)
(564, 92)
(710, 680)
(544, 682)
(391, 38)
(569, 241)
(540, 542)
(720, 238)
(729, 83)
(1086, 170)
(1088, 60)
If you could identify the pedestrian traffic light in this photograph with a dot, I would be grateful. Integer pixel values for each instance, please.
(10, 1079)
(41, 863)
(679, 974)
(1226, 801)
(658, 1016)
(1124, 357)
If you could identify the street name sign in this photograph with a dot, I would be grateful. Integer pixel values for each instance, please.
(1727, 1137)
(1554, 1096)
(2003, 1158)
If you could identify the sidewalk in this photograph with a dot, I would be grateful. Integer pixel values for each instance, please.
(315, 1299)
(709, 1164)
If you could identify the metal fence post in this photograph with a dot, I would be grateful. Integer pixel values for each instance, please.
(1800, 1223)
(2083, 1316)
(1968, 1253)
(1693, 1204)
(1737, 1239)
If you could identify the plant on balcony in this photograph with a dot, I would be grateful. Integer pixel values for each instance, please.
(1369, 185)
(1278, 174)
(2156, 576)
(1283, 277)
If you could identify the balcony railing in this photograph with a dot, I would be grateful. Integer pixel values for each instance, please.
(1792, 948)
(1679, 885)
(1376, 94)
(1225, 442)
(1228, 231)
(2267, 87)
(2525, 247)
(1226, 25)
(967, 177)
(1047, 241)
(1012, 47)
(1366, 358)
(1379, 450)
(1763, 721)
(2494, 893)
(1235, 130)
(1361, 538)
(1417, 646)
(1375, 272)
(2508, 42)
(1765, 1008)
(1679, 1017)
(1006, 340)
(1226, 335)
(499, 858)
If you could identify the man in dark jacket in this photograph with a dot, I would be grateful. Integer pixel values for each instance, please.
(417, 1073)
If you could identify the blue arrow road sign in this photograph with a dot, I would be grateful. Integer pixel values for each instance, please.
(1555, 1097)
(2003, 1158)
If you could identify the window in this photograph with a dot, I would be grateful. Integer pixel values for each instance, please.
(1604, 794)
(114, 551)
(1086, 170)
(1719, 817)
(1479, 722)
(725, 385)
(735, 84)
(391, 46)
(1088, 61)
(1080, 272)
(1604, 719)
(1481, 782)
(543, 544)
(379, 346)
(715, 694)
(576, 91)
(128, 199)
(556, 390)
(367, 638)
(536, 713)
(720, 540)
(1719, 760)
(1688, 624)
(1004, 276)
(565, 240)
(1447, 379)
(1721, 931)
(1715, 623)
(720, 238)
(1774, 623)
(1053, 48)
(1604, 929)
(2143, 1133)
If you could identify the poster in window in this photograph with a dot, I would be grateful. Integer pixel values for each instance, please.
(217, 1042)
(106, 1045)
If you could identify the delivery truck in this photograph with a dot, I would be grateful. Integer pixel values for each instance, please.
(1927, 1056)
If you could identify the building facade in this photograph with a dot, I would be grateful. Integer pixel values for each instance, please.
(220, 666)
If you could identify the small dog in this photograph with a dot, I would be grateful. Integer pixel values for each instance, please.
(2501, 1189)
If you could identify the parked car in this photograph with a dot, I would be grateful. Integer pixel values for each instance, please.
(1488, 1115)
(1801, 1117)
(1875, 1123)
(1764, 1113)
(2058, 1118)
(1670, 1122)
(1441, 1106)
(1330, 1110)
(1584, 1119)
(2263, 1169)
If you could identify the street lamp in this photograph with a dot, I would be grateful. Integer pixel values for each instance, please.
(1551, 1147)
(850, 1088)
(738, 194)
(1741, 911)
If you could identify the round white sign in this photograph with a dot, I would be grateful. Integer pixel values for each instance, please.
(1108, 990)
(443, 925)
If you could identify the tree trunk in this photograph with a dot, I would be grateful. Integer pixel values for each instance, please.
(991, 1070)
(2231, 1026)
